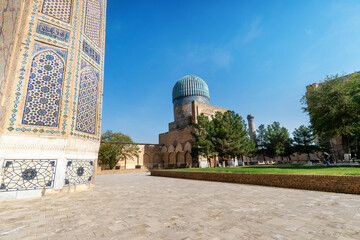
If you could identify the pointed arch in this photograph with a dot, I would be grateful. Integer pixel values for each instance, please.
(156, 160)
(165, 159)
(43, 97)
(172, 159)
(87, 100)
(187, 146)
(147, 160)
(164, 149)
(180, 159)
(179, 148)
(171, 148)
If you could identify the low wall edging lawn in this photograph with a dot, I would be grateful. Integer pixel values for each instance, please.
(326, 183)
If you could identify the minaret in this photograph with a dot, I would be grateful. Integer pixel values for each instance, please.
(251, 123)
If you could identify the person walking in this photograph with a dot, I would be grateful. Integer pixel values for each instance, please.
(326, 159)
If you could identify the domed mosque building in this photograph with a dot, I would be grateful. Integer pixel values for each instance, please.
(187, 90)
(190, 97)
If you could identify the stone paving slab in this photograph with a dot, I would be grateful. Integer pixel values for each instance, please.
(138, 206)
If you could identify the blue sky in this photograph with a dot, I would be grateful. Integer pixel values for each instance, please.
(256, 57)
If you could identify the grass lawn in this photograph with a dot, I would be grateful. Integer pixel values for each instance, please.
(282, 169)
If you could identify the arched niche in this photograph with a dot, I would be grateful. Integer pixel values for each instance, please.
(43, 97)
(179, 148)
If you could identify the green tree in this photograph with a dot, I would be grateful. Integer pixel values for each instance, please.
(202, 144)
(224, 135)
(289, 149)
(108, 154)
(304, 139)
(242, 144)
(333, 107)
(221, 134)
(260, 140)
(275, 140)
(116, 147)
(229, 134)
(247, 148)
(324, 144)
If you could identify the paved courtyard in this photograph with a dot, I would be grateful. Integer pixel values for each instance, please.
(138, 206)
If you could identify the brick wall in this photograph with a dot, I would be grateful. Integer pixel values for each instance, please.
(338, 184)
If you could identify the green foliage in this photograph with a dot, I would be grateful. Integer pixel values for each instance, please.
(202, 145)
(247, 148)
(260, 140)
(334, 107)
(229, 133)
(116, 147)
(275, 139)
(289, 149)
(304, 139)
(224, 135)
(324, 144)
(108, 154)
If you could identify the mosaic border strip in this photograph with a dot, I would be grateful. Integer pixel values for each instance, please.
(101, 82)
(53, 21)
(91, 52)
(52, 31)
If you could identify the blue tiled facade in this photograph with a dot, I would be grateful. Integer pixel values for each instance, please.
(59, 9)
(45, 86)
(52, 31)
(45, 32)
(190, 86)
(186, 90)
(92, 27)
(54, 98)
(91, 52)
(87, 100)
(189, 99)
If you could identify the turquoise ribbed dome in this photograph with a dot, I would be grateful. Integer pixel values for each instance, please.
(190, 85)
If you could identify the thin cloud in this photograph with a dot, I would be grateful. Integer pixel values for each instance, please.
(255, 30)
(221, 56)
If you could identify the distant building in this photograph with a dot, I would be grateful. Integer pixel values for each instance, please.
(190, 97)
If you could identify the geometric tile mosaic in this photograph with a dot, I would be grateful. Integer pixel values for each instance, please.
(87, 99)
(79, 172)
(59, 9)
(43, 95)
(91, 52)
(19, 175)
(93, 21)
(52, 31)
